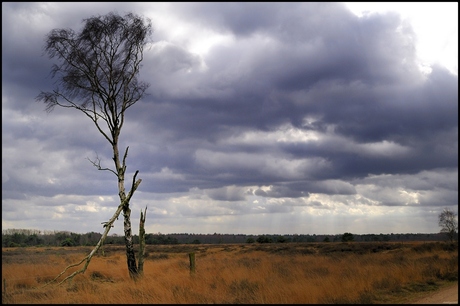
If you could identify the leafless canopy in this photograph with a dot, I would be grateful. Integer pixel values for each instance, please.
(448, 223)
(98, 68)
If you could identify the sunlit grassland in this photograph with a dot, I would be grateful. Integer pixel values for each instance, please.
(367, 272)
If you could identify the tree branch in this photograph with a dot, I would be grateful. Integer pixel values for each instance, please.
(108, 225)
(133, 187)
(124, 160)
(97, 164)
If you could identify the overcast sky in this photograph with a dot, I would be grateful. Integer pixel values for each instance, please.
(260, 118)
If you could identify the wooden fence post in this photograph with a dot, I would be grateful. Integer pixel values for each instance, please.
(192, 262)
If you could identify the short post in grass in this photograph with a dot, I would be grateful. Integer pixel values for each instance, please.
(191, 256)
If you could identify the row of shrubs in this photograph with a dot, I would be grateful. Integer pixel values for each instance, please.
(346, 237)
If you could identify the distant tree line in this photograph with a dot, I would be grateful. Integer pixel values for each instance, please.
(22, 238)
(27, 237)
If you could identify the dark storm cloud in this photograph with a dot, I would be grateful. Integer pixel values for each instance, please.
(298, 99)
(229, 193)
(238, 18)
(361, 78)
(25, 66)
(304, 188)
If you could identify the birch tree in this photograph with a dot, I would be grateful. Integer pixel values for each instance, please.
(448, 223)
(97, 74)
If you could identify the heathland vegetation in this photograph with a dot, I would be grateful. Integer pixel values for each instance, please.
(305, 272)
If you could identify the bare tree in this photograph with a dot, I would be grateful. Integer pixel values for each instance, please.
(97, 75)
(448, 223)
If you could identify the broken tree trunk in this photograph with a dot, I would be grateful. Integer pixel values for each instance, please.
(140, 267)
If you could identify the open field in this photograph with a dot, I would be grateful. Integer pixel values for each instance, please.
(320, 273)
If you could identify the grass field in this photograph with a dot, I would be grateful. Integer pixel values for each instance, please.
(320, 273)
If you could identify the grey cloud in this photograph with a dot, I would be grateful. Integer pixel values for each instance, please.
(443, 178)
(228, 193)
(282, 191)
(237, 18)
(304, 188)
(169, 59)
(358, 112)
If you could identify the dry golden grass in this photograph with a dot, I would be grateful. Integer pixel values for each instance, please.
(303, 273)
